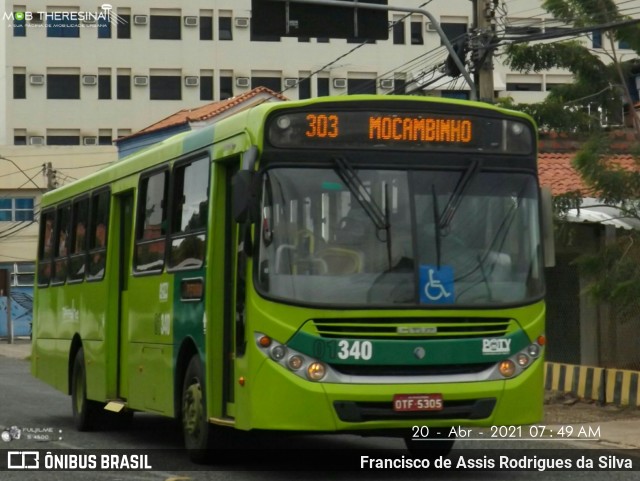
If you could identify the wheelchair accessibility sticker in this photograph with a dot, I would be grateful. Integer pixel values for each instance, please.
(436, 285)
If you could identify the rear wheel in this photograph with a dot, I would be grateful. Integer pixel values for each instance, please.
(86, 413)
(199, 434)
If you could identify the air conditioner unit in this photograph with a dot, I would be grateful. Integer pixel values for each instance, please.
(243, 82)
(90, 140)
(140, 19)
(290, 82)
(140, 80)
(190, 21)
(37, 140)
(36, 79)
(241, 22)
(89, 80)
(192, 81)
(386, 83)
(340, 83)
(430, 27)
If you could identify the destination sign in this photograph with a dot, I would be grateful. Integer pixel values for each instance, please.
(400, 130)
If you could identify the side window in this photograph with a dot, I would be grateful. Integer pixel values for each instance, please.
(62, 238)
(99, 215)
(151, 230)
(78, 245)
(189, 215)
(45, 249)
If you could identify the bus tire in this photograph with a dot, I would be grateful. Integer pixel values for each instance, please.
(85, 412)
(198, 434)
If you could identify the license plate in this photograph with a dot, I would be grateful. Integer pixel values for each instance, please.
(417, 402)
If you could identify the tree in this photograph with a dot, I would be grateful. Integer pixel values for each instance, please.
(615, 269)
(594, 80)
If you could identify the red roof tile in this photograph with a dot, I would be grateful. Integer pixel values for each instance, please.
(555, 170)
(207, 111)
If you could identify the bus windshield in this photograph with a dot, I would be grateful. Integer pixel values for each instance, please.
(465, 237)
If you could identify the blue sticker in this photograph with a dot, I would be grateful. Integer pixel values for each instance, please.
(436, 285)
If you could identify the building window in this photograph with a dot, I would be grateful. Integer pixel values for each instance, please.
(19, 86)
(16, 209)
(104, 140)
(63, 86)
(226, 87)
(104, 87)
(189, 215)
(323, 87)
(224, 28)
(273, 83)
(165, 27)
(19, 140)
(416, 32)
(398, 32)
(304, 88)
(62, 28)
(165, 87)
(19, 27)
(206, 28)
(454, 31)
(152, 223)
(524, 87)
(63, 140)
(124, 26)
(206, 88)
(104, 27)
(123, 87)
(361, 86)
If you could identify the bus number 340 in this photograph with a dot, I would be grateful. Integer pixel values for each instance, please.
(344, 349)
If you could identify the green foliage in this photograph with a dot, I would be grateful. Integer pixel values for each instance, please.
(595, 83)
(615, 270)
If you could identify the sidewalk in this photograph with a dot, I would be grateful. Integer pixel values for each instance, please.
(20, 349)
(623, 434)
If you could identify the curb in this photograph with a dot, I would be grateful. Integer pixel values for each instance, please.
(605, 385)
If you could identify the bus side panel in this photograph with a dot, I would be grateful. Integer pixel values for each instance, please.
(150, 343)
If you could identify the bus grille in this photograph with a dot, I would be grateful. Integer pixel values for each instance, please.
(435, 370)
(412, 328)
(358, 412)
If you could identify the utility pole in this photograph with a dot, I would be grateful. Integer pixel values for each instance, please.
(50, 175)
(482, 38)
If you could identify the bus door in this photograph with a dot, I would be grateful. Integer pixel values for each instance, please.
(124, 206)
(234, 266)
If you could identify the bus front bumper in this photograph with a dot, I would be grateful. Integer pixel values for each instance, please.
(279, 400)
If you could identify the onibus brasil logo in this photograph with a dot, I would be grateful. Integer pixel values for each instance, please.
(103, 14)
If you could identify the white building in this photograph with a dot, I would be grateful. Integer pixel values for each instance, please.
(72, 81)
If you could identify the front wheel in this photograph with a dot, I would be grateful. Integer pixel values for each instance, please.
(86, 413)
(199, 435)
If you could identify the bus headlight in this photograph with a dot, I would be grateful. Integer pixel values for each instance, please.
(295, 362)
(278, 352)
(316, 371)
(522, 359)
(298, 363)
(507, 368)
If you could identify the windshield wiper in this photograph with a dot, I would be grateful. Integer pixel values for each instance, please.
(458, 193)
(379, 218)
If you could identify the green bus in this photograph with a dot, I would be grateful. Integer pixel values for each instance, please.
(363, 264)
